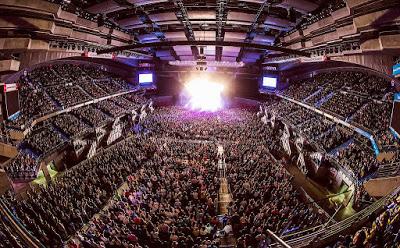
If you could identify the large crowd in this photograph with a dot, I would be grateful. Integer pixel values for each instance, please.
(170, 201)
(50, 88)
(43, 141)
(7, 236)
(380, 231)
(349, 149)
(355, 97)
(169, 171)
(34, 102)
(172, 182)
(374, 116)
(176, 122)
(70, 125)
(23, 166)
(91, 115)
(264, 197)
(54, 213)
(343, 104)
(109, 107)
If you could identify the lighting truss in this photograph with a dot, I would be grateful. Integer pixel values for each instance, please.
(185, 19)
(253, 27)
(221, 17)
(209, 63)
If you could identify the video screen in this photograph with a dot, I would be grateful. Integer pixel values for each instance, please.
(145, 78)
(395, 122)
(269, 82)
(396, 70)
(12, 102)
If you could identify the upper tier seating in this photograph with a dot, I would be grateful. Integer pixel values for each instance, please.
(345, 146)
(360, 97)
(50, 88)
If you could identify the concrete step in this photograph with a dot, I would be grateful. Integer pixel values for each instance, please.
(228, 241)
(225, 198)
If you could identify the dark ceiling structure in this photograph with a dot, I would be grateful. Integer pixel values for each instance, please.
(205, 43)
(227, 30)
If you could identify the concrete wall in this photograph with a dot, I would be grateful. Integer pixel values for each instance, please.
(8, 151)
(376, 61)
(382, 186)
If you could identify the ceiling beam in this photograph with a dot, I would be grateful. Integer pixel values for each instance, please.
(205, 43)
(184, 18)
(221, 21)
(253, 28)
(221, 18)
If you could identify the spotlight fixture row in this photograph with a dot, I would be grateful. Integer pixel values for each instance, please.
(207, 63)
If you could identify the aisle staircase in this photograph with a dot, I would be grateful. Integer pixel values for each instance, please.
(313, 94)
(342, 146)
(224, 197)
(324, 100)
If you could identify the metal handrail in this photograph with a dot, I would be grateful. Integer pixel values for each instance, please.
(29, 239)
(323, 234)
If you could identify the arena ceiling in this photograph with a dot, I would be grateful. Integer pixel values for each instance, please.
(242, 30)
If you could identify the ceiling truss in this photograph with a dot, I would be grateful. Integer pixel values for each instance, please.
(205, 43)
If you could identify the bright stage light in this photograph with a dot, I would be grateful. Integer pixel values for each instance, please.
(204, 95)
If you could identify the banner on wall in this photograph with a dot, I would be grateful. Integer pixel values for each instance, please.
(10, 87)
(79, 146)
(273, 120)
(302, 163)
(396, 70)
(92, 150)
(299, 143)
(115, 134)
(317, 158)
(313, 59)
(95, 55)
(143, 115)
(100, 132)
(260, 111)
(286, 143)
(151, 108)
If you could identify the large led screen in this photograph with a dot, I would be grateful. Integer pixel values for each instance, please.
(145, 78)
(269, 82)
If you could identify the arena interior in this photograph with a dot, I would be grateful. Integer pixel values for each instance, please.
(208, 124)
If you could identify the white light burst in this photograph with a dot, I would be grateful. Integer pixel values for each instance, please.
(204, 95)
